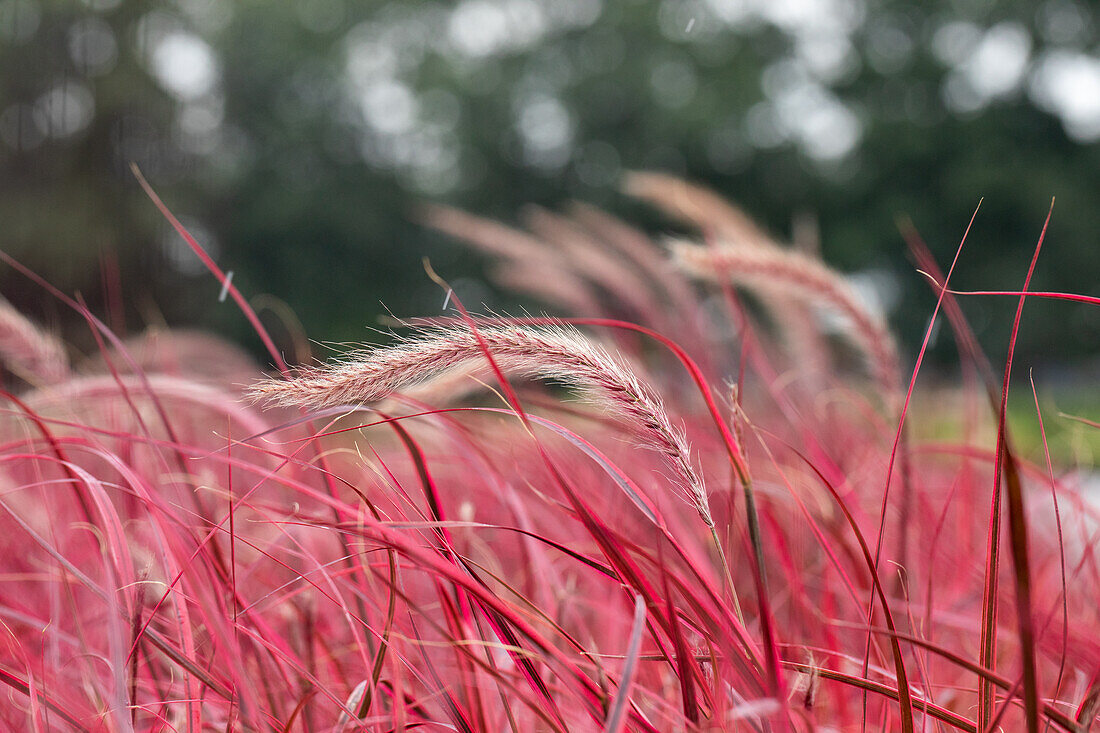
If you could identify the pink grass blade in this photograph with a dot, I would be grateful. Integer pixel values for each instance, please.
(212, 266)
(499, 622)
(904, 696)
(98, 329)
(636, 496)
(165, 646)
(947, 716)
(729, 441)
(1002, 709)
(900, 432)
(1061, 542)
(1086, 711)
(686, 671)
(967, 342)
(616, 716)
(733, 451)
(1054, 715)
(446, 570)
(296, 713)
(22, 686)
(55, 447)
(462, 616)
(1007, 469)
(387, 628)
(1079, 419)
(1073, 297)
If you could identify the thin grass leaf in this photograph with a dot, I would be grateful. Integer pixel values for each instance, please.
(616, 716)
(212, 266)
(685, 666)
(948, 716)
(1006, 467)
(1074, 297)
(21, 685)
(1064, 597)
(903, 694)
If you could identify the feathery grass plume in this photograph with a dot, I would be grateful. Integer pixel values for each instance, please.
(695, 205)
(589, 276)
(718, 219)
(488, 235)
(636, 246)
(589, 257)
(565, 292)
(803, 278)
(526, 258)
(558, 353)
(29, 352)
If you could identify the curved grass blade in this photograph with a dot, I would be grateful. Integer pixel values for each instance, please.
(616, 717)
(1007, 469)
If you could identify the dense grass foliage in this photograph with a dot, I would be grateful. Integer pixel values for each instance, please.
(701, 512)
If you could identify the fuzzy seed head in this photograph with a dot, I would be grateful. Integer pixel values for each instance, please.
(560, 354)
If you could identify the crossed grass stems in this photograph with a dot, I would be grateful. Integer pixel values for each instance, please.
(721, 657)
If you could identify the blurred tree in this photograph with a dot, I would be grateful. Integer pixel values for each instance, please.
(75, 108)
(296, 137)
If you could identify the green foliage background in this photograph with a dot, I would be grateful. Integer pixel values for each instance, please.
(282, 173)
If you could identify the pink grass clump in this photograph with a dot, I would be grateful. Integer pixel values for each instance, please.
(436, 534)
